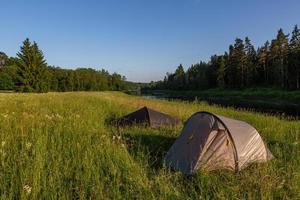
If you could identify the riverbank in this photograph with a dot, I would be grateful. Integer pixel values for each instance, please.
(262, 100)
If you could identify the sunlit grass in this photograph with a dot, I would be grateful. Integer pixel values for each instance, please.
(61, 146)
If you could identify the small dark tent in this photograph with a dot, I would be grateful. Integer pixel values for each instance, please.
(148, 117)
(215, 142)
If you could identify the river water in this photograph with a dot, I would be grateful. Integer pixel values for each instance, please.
(279, 108)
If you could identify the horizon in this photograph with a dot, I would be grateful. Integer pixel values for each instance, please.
(140, 40)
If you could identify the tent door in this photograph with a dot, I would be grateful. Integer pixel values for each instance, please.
(217, 152)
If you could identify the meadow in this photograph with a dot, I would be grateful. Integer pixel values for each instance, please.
(63, 146)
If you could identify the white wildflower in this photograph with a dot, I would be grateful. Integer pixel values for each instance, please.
(114, 137)
(27, 189)
(123, 146)
(28, 145)
(58, 116)
(48, 117)
(3, 153)
(295, 143)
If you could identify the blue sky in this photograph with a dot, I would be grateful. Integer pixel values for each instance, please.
(141, 39)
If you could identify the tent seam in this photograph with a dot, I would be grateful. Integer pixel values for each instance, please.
(148, 115)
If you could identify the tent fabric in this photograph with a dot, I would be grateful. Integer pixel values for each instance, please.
(215, 142)
(249, 145)
(148, 117)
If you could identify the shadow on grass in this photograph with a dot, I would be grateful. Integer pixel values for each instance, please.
(154, 147)
(111, 120)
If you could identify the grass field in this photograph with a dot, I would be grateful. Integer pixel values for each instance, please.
(61, 146)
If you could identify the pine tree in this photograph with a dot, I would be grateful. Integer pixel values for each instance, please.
(237, 62)
(279, 54)
(294, 58)
(221, 72)
(250, 58)
(226, 62)
(191, 75)
(179, 77)
(212, 71)
(262, 61)
(231, 68)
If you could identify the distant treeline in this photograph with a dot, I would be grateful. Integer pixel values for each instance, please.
(29, 72)
(275, 64)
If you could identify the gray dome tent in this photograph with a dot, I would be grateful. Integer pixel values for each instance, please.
(215, 142)
(148, 117)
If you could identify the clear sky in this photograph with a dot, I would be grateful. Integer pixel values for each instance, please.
(141, 39)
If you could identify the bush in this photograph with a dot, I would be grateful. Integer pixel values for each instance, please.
(6, 82)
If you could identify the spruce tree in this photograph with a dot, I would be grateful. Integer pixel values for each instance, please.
(24, 64)
(39, 70)
(31, 68)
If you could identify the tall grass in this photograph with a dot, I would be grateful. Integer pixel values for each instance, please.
(61, 146)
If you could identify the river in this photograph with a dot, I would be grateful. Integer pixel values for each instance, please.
(281, 108)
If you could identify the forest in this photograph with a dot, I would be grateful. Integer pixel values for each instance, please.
(275, 64)
(29, 72)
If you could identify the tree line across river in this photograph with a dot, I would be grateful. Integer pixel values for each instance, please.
(275, 64)
(29, 72)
